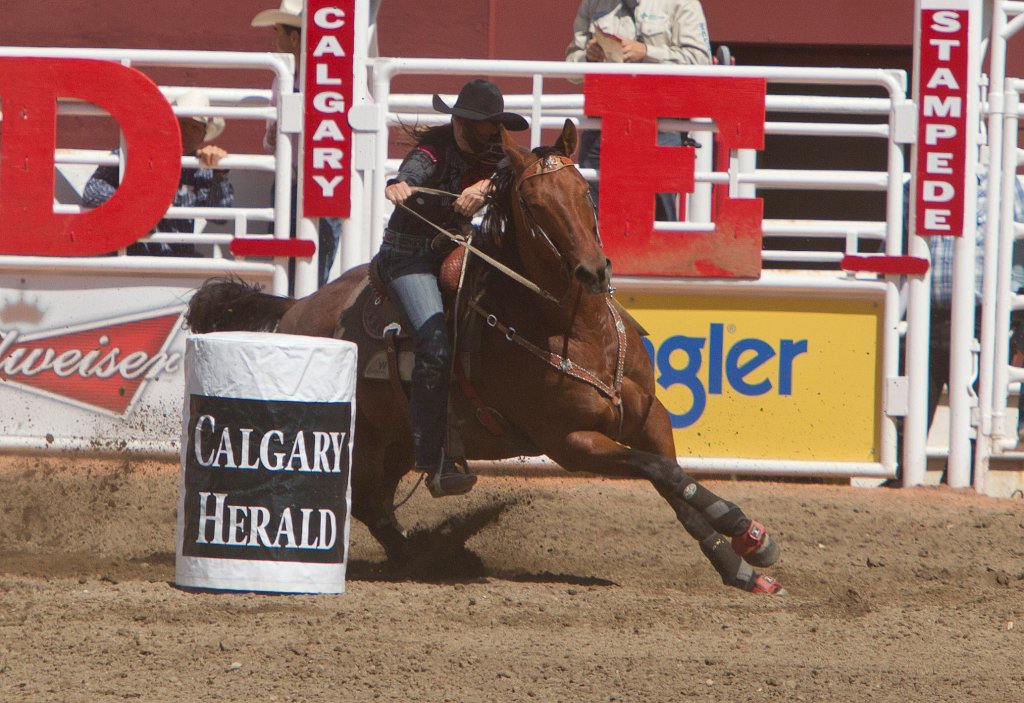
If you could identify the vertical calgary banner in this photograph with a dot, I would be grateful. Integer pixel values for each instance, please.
(945, 99)
(266, 463)
(327, 136)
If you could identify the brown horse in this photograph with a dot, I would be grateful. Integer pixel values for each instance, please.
(564, 372)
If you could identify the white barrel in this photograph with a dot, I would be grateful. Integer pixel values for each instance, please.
(266, 453)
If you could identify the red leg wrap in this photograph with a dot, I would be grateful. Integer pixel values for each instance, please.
(756, 546)
(768, 585)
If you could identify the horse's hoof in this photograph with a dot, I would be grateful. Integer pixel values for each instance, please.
(767, 585)
(756, 546)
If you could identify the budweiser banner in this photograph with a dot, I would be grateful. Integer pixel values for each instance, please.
(91, 362)
(265, 463)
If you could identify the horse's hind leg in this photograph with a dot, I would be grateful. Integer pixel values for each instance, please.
(704, 515)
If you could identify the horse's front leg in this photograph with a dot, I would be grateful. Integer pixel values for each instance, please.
(755, 545)
(704, 515)
(375, 478)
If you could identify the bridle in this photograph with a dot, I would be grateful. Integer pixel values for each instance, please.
(552, 163)
(542, 166)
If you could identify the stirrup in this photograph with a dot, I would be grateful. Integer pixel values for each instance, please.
(756, 546)
(767, 585)
(448, 480)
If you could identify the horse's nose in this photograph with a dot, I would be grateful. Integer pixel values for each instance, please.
(596, 279)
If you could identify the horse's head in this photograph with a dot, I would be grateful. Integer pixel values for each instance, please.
(553, 212)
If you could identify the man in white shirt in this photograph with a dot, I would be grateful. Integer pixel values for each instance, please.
(639, 31)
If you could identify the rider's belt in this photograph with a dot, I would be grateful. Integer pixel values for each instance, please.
(406, 242)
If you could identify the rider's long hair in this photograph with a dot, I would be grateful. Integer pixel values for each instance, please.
(427, 134)
(445, 134)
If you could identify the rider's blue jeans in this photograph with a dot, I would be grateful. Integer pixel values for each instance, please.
(412, 285)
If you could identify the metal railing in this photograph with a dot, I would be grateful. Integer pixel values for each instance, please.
(544, 111)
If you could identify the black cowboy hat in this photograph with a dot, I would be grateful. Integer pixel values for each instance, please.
(481, 100)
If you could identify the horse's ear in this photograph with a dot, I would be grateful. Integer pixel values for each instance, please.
(515, 153)
(568, 140)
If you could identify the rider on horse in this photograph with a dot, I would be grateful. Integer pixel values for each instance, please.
(459, 157)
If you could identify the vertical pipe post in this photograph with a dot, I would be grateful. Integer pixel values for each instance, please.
(962, 323)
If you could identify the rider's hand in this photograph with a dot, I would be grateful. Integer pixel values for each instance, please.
(398, 192)
(633, 51)
(209, 156)
(594, 51)
(472, 199)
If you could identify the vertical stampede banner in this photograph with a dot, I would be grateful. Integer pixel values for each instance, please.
(266, 461)
(944, 94)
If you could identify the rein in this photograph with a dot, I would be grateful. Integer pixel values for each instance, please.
(560, 362)
(515, 276)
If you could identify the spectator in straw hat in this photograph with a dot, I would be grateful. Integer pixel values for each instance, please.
(287, 24)
(206, 186)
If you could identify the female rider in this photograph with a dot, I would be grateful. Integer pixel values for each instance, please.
(458, 157)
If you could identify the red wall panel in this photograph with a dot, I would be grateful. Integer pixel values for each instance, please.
(864, 22)
(802, 31)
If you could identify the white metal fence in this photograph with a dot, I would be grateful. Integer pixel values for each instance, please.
(126, 309)
(792, 244)
(884, 119)
(996, 435)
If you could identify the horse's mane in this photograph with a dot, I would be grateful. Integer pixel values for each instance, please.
(498, 217)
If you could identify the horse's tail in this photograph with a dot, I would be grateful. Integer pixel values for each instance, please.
(230, 304)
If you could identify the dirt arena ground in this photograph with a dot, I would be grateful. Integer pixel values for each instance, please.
(543, 589)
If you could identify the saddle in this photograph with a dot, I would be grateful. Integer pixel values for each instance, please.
(382, 321)
(379, 314)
